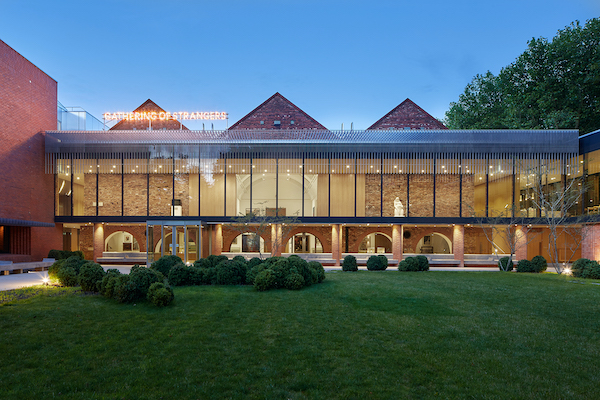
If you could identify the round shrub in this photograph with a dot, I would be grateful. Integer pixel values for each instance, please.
(140, 279)
(579, 266)
(280, 270)
(74, 262)
(252, 272)
(253, 262)
(539, 264)
(409, 264)
(216, 260)
(196, 276)
(108, 282)
(122, 291)
(592, 270)
(265, 280)
(56, 254)
(90, 276)
(240, 259)
(349, 263)
(383, 260)
(202, 263)
(209, 276)
(180, 275)
(231, 273)
(294, 281)
(67, 276)
(160, 295)
(423, 263)
(317, 267)
(505, 264)
(53, 269)
(374, 264)
(525, 266)
(301, 267)
(164, 264)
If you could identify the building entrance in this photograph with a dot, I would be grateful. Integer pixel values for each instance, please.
(180, 238)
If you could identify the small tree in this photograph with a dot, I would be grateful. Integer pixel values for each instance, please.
(555, 202)
(502, 231)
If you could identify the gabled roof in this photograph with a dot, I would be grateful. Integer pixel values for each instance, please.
(148, 106)
(407, 115)
(277, 113)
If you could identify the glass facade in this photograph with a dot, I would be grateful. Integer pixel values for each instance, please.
(389, 188)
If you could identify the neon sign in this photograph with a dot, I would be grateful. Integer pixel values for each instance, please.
(163, 115)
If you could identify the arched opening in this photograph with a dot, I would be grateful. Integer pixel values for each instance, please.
(121, 241)
(303, 243)
(247, 242)
(434, 243)
(376, 243)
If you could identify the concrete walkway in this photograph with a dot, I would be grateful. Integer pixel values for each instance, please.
(16, 281)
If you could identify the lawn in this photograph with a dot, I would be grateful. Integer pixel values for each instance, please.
(364, 335)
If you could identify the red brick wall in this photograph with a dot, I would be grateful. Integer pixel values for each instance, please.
(421, 196)
(277, 108)
(407, 115)
(27, 107)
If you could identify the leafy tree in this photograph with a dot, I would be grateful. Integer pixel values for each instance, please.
(552, 85)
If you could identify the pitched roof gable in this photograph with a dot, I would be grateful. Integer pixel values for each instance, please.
(148, 106)
(279, 113)
(407, 115)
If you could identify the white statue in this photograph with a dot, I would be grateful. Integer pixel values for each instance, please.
(398, 208)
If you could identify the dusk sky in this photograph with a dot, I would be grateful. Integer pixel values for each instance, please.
(340, 61)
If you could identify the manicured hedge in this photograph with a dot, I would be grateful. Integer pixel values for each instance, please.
(412, 264)
(584, 268)
(349, 263)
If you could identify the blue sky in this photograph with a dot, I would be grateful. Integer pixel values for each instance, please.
(340, 61)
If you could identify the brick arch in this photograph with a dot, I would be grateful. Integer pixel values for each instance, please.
(228, 239)
(139, 233)
(410, 245)
(358, 237)
(316, 231)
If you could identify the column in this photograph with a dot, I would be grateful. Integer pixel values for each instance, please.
(98, 241)
(521, 244)
(217, 239)
(276, 240)
(589, 245)
(397, 242)
(458, 244)
(336, 243)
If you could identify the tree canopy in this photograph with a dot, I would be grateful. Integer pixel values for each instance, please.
(552, 85)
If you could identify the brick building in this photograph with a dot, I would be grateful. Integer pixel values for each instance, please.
(277, 181)
(27, 108)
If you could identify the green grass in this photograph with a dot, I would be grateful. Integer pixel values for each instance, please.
(362, 335)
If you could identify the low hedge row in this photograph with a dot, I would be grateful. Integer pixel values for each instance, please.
(275, 272)
(536, 265)
(64, 254)
(418, 263)
(585, 268)
(124, 288)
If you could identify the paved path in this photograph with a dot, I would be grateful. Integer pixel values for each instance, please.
(15, 281)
